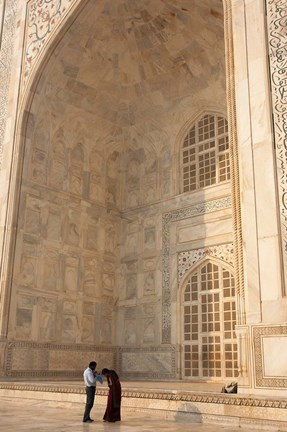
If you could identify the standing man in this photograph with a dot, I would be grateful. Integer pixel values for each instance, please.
(90, 378)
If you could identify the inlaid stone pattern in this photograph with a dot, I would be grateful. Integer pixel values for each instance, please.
(277, 42)
(186, 260)
(6, 53)
(43, 16)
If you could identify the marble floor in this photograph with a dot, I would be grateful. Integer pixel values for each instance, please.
(28, 415)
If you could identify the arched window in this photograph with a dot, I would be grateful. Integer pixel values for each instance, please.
(205, 153)
(209, 318)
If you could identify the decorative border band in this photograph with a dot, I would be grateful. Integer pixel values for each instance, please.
(178, 396)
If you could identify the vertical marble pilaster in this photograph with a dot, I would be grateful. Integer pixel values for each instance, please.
(257, 170)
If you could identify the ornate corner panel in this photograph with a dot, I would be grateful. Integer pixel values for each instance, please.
(6, 56)
(270, 342)
(277, 45)
(167, 220)
(186, 260)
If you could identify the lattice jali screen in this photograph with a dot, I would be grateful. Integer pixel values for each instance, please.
(205, 154)
(209, 318)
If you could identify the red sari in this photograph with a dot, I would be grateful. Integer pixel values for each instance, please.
(113, 410)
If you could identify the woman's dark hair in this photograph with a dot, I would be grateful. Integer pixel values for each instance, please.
(93, 365)
(105, 371)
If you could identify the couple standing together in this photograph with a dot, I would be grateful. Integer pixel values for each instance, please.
(113, 410)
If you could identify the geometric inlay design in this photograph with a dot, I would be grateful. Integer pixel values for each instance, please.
(277, 43)
(167, 220)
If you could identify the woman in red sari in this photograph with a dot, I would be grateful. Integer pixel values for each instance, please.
(113, 410)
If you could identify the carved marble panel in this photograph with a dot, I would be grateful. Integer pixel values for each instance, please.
(131, 286)
(72, 229)
(149, 281)
(110, 238)
(58, 174)
(87, 329)
(28, 272)
(54, 225)
(108, 281)
(150, 238)
(130, 335)
(150, 362)
(131, 244)
(24, 315)
(149, 330)
(23, 323)
(33, 222)
(150, 263)
(96, 188)
(51, 276)
(71, 274)
(47, 319)
(70, 328)
(106, 330)
(92, 235)
(92, 277)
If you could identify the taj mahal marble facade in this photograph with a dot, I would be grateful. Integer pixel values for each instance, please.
(143, 185)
